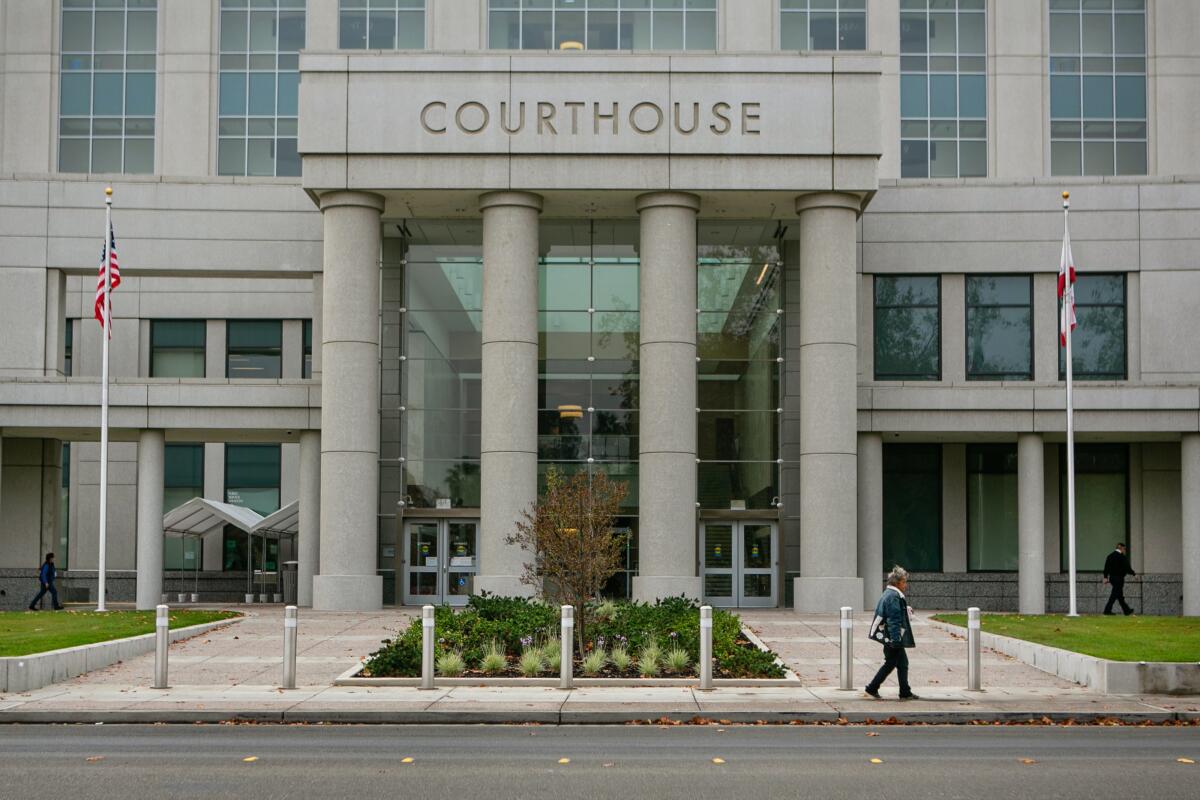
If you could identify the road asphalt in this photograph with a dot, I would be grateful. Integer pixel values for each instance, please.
(660, 762)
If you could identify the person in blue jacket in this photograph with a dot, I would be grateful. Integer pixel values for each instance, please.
(46, 577)
(893, 629)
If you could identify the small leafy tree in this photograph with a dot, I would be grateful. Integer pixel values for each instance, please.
(569, 534)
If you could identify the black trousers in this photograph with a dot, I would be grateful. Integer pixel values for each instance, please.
(49, 587)
(1117, 595)
(894, 658)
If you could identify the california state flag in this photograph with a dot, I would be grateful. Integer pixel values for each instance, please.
(1066, 288)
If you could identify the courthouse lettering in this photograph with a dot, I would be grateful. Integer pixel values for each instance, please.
(573, 118)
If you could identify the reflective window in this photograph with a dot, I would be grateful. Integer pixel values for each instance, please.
(64, 510)
(823, 24)
(1098, 87)
(908, 328)
(943, 89)
(912, 506)
(69, 347)
(183, 479)
(177, 348)
(381, 25)
(106, 97)
(992, 507)
(259, 87)
(254, 348)
(1098, 341)
(252, 476)
(739, 322)
(306, 366)
(602, 24)
(1101, 503)
(999, 328)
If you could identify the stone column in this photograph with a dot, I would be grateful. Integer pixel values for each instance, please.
(508, 427)
(350, 404)
(1190, 492)
(667, 415)
(151, 460)
(308, 544)
(870, 516)
(1031, 524)
(828, 403)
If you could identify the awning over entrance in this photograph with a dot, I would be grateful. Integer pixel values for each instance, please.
(284, 522)
(199, 515)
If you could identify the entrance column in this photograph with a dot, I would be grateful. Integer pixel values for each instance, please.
(349, 405)
(308, 545)
(828, 403)
(667, 387)
(151, 458)
(508, 426)
(870, 516)
(1031, 524)
(1190, 486)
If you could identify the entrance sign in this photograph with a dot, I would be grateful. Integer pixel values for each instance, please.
(579, 118)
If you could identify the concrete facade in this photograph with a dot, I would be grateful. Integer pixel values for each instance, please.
(812, 145)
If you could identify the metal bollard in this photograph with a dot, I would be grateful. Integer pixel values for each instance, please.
(567, 668)
(846, 626)
(706, 634)
(973, 677)
(162, 637)
(426, 647)
(289, 647)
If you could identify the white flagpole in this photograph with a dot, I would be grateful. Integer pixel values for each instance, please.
(104, 335)
(1065, 323)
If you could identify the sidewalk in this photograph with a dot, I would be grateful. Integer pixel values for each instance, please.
(233, 674)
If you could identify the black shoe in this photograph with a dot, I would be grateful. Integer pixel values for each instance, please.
(60, 608)
(32, 608)
(1109, 614)
(909, 696)
(1129, 613)
(873, 692)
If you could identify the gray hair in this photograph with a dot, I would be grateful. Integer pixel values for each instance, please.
(897, 575)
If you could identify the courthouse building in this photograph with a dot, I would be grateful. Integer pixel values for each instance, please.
(785, 268)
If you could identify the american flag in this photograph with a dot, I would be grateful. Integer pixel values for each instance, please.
(116, 276)
(1066, 289)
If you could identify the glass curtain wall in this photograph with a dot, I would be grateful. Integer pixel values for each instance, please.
(588, 341)
(259, 87)
(183, 479)
(602, 24)
(1098, 87)
(739, 322)
(1101, 503)
(1098, 341)
(943, 89)
(106, 97)
(823, 24)
(992, 532)
(381, 24)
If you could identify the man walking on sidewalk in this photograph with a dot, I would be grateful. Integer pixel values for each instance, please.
(1116, 567)
(46, 577)
(893, 629)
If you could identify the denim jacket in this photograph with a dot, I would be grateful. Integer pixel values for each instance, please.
(891, 626)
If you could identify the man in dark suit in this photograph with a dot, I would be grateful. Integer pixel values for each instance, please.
(1116, 567)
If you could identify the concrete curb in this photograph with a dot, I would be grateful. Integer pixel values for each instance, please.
(26, 673)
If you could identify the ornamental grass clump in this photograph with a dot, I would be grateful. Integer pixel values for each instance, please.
(648, 658)
(605, 611)
(552, 654)
(593, 662)
(494, 661)
(451, 664)
(531, 663)
(678, 660)
(620, 658)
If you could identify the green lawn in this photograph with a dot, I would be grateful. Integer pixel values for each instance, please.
(23, 633)
(1114, 638)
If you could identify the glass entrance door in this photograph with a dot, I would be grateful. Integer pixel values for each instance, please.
(739, 563)
(440, 561)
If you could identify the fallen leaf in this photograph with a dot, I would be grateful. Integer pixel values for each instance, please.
(1180, 760)
(406, 760)
(564, 761)
(872, 733)
(94, 758)
(608, 764)
(876, 760)
(1028, 761)
(718, 761)
(249, 759)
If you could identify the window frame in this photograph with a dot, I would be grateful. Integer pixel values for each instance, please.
(203, 346)
(395, 10)
(967, 473)
(875, 327)
(553, 10)
(229, 350)
(967, 329)
(941, 513)
(1124, 305)
(1063, 566)
(837, 12)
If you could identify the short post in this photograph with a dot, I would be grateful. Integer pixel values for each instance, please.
(973, 677)
(706, 633)
(162, 636)
(289, 647)
(846, 626)
(426, 647)
(567, 641)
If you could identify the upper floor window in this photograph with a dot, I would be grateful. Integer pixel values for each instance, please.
(999, 328)
(1098, 341)
(69, 346)
(254, 348)
(306, 366)
(177, 348)
(908, 328)
(602, 24)
(1098, 87)
(823, 24)
(260, 86)
(107, 86)
(381, 25)
(943, 89)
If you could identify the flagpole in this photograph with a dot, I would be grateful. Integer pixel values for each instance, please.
(1070, 434)
(105, 335)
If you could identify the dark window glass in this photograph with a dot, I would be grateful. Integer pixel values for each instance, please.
(69, 348)
(306, 369)
(912, 506)
(254, 349)
(183, 479)
(252, 476)
(907, 328)
(992, 531)
(999, 328)
(177, 348)
(1098, 341)
(1101, 503)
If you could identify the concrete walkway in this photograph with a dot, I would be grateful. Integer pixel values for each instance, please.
(233, 673)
